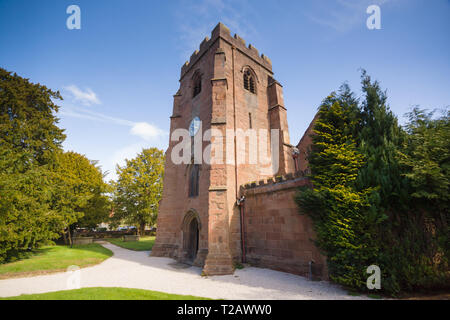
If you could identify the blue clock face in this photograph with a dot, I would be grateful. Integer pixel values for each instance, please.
(194, 126)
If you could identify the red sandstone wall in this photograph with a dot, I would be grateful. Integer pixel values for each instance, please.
(176, 203)
(276, 235)
(245, 103)
(304, 146)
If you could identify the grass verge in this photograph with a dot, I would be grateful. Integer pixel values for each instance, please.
(104, 294)
(51, 259)
(144, 244)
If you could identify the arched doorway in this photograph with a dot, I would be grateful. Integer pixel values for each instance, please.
(191, 227)
(193, 240)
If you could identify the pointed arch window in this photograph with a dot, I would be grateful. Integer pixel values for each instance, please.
(197, 82)
(249, 81)
(194, 175)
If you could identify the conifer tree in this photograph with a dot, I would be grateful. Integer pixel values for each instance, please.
(337, 210)
(29, 143)
(380, 193)
(379, 139)
(42, 189)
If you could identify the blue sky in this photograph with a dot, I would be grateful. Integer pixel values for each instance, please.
(118, 73)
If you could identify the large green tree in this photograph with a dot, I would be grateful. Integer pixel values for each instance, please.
(379, 139)
(80, 193)
(42, 189)
(138, 189)
(28, 122)
(380, 192)
(340, 213)
(30, 142)
(405, 166)
(426, 157)
(425, 160)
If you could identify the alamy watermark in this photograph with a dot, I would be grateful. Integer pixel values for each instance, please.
(374, 280)
(73, 280)
(74, 20)
(251, 146)
(374, 20)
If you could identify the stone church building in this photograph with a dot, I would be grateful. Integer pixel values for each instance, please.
(219, 214)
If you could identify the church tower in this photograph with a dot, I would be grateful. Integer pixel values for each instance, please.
(226, 88)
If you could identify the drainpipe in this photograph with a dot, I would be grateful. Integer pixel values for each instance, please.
(241, 204)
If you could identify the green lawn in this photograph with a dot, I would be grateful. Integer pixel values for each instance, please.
(144, 244)
(55, 258)
(104, 294)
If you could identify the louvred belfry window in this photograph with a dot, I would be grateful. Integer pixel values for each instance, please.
(197, 85)
(249, 81)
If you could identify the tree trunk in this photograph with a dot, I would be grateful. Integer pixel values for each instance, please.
(70, 237)
(142, 230)
(64, 236)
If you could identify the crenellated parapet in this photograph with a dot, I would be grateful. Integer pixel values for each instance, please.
(222, 32)
(277, 180)
(278, 234)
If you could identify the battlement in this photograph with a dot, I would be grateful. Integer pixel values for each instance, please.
(222, 31)
(276, 180)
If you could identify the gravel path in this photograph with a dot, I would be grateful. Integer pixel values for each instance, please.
(135, 269)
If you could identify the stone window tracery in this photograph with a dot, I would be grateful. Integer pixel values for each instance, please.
(249, 81)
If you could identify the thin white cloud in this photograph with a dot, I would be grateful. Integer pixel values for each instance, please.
(147, 133)
(144, 130)
(104, 118)
(86, 97)
(196, 21)
(344, 15)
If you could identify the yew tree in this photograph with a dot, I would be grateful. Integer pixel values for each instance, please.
(340, 213)
(30, 142)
